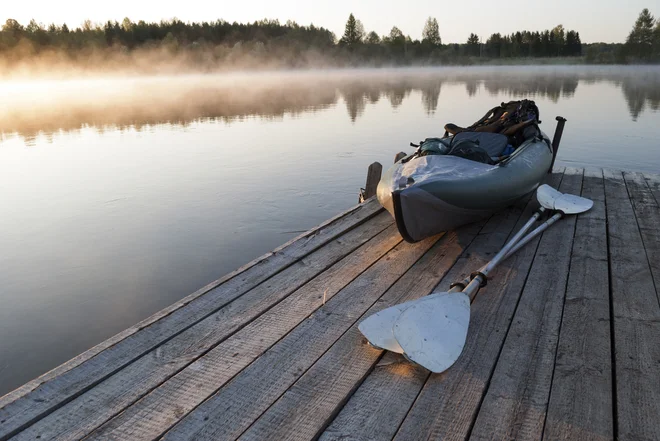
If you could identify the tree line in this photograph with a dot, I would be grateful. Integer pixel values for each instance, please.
(550, 43)
(270, 42)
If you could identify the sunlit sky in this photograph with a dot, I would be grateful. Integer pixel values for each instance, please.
(605, 20)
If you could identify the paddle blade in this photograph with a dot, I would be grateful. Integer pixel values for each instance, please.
(571, 204)
(377, 328)
(432, 332)
(546, 196)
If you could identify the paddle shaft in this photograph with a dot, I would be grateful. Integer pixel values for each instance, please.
(476, 283)
(540, 229)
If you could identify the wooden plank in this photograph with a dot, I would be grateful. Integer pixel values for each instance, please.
(309, 405)
(376, 409)
(647, 212)
(50, 391)
(455, 395)
(653, 181)
(382, 402)
(344, 221)
(515, 404)
(230, 409)
(581, 396)
(93, 408)
(636, 319)
(306, 408)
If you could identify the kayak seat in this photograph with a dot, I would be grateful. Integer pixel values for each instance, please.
(470, 150)
(493, 143)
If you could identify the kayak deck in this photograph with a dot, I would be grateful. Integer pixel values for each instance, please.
(563, 341)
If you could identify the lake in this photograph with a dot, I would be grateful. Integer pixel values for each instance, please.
(120, 196)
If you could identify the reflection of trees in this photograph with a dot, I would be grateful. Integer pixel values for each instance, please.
(471, 86)
(356, 95)
(355, 104)
(641, 92)
(431, 96)
(397, 94)
(183, 100)
(374, 96)
(552, 87)
(178, 103)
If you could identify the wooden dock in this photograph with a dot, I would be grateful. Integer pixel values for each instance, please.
(564, 342)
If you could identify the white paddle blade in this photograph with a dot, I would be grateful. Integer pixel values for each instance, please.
(377, 328)
(433, 331)
(546, 196)
(571, 204)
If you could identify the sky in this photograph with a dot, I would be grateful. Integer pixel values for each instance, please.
(604, 20)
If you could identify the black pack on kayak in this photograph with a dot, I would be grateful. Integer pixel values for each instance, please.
(468, 177)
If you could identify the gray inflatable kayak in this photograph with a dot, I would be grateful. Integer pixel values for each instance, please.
(439, 192)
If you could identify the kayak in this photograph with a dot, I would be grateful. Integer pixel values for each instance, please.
(431, 193)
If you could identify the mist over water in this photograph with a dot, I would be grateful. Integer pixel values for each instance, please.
(122, 195)
(32, 108)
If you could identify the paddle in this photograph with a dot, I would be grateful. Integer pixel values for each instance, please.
(378, 327)
(432, 331)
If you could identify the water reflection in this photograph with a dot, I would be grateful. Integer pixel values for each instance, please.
(552, 87)
(431, 96)
(43, 109)
(640, 94)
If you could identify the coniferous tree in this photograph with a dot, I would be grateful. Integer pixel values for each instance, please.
(494, 45)
(640, 40)
(353, 32)
(473, 45)
(656, 39)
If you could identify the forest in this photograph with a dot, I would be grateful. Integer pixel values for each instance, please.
(220, 45)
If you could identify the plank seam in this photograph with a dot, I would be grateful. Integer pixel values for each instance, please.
(641, 236)
(561, 318)
(164, 433)
(102, 379)
(337, 409)
(419, 392)
(375, 364)
(143, 324)
(513, 315)
(615, 413)
(647, 178)
(238, 330)
(429, 374)
(338, 338)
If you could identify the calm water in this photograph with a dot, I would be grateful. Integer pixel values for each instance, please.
(120, 196)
